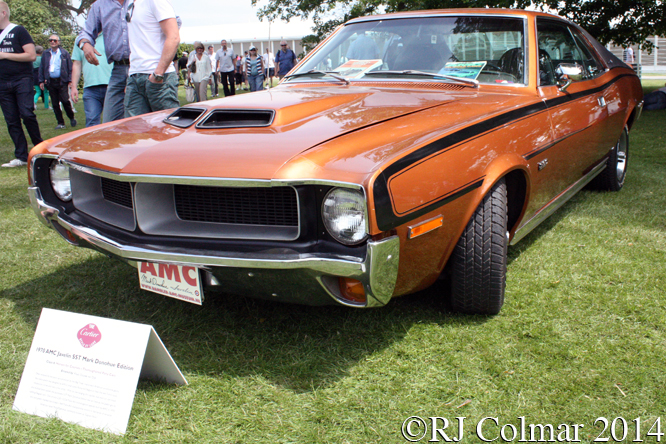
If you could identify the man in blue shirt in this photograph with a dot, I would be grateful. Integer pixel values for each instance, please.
(109, 15)
(55, 73)
(285, 59)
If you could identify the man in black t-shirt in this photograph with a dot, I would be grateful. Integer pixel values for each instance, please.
(182, 66)
(17, 52)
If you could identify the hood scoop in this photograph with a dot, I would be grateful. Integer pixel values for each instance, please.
(184, 117)
(237, 118)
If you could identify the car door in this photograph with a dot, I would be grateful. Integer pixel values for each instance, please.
(578, 112)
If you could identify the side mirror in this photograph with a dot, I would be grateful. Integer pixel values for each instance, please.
(568, 73)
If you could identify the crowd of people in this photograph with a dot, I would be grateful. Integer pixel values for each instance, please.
(127, 70)
(252, 71)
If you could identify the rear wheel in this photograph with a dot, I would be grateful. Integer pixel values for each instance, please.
(478, 262)
(612, 177)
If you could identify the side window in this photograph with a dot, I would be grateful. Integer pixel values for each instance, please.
(558, 44)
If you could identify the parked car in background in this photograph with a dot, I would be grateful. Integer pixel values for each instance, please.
(403, 148)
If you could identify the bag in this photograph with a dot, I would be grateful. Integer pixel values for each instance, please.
(189, 93)
(193, 67)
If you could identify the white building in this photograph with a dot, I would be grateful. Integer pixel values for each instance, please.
(242, 36)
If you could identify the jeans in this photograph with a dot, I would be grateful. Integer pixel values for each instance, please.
(114, 102)
(256, 82)
(142, 96)
(60, 94)
(16, 101)
(228, 78)
(213, 86)
(93, 103)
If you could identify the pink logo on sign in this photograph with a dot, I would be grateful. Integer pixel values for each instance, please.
(89, 335)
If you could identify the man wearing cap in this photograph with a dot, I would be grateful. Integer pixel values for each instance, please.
(109, 15)
(226, 67)
(284, 60)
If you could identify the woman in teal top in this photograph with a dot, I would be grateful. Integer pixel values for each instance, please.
(254, 69)
(35, 73)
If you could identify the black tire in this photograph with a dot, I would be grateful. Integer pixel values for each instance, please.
(613, 176)
(478, 262)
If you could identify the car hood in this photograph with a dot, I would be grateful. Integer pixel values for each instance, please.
(304, 118)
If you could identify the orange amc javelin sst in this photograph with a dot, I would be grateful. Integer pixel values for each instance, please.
(405, 147)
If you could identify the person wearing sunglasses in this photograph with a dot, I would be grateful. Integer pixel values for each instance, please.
(152, 84)
(55, 73)
(111, 16)
(16, 86)
(284, 60)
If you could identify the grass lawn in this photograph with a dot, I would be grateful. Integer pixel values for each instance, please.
(582, 334)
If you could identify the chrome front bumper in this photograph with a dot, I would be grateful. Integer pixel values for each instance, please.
(282, 274)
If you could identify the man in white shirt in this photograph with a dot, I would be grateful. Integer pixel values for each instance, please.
(226, 67)
(269, 66)
(213, 65)
(152, 84)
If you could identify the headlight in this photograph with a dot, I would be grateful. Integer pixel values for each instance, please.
(60, 181)
(344, 215)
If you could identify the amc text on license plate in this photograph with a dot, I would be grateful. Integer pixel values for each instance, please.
(176, 281)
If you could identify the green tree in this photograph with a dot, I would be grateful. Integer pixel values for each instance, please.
(41, 19)
(623, 22)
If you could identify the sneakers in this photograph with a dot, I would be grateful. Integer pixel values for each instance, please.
(73, 122)
(14, 163)
(60, 127)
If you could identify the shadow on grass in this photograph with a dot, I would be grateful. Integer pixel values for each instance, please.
(297, 347)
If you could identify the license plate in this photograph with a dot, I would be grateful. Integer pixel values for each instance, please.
(176, 281)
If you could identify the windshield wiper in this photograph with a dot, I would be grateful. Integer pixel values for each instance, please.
(409, 72)
(323, 73)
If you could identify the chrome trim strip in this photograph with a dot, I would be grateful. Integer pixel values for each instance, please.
(31, 179)
(378, 271)
(556, 203)
(208, 181)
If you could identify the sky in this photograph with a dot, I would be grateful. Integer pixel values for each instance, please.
(213, 20)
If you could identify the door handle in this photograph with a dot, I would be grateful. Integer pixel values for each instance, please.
(602, 101)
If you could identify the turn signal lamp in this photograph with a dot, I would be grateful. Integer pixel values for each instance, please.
(425, 227)
(352, 290)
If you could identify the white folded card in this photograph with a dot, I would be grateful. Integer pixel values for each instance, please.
(84, 369)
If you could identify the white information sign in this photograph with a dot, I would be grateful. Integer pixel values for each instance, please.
(85, 369)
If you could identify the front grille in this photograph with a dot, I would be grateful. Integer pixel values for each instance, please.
(275, 206)
(117, 192)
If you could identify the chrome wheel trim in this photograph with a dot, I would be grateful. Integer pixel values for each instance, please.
(621, 158)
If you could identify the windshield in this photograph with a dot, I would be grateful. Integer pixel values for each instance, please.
(482, 48)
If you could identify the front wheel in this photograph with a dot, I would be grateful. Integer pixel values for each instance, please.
(478, 262)
(612, 177)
